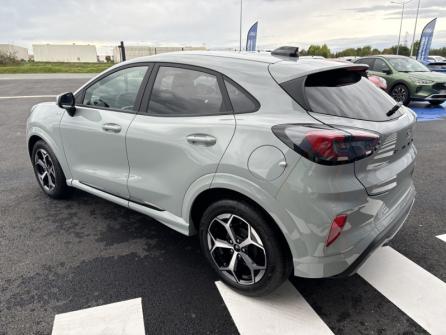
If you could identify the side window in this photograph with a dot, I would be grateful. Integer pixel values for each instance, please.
(368, 61)
(241, 102)
(179, 91)
(380, 66)
(117, 91)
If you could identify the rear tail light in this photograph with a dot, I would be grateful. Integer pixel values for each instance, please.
(328, 145)
(336, 228)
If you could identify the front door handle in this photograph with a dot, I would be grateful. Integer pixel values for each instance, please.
(111, 127)
(201, 139)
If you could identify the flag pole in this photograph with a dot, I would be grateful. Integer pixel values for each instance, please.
(241, 16)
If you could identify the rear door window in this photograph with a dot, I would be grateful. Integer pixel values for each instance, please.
(185, 92)
(347, 93)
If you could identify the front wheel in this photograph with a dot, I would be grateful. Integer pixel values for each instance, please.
(400, 93)
(243, 248)
(48, 171)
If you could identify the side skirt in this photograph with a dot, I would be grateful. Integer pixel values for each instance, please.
(172, 221)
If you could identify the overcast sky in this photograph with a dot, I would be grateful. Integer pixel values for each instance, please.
(339, 23)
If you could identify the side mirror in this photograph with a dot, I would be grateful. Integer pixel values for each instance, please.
(67, 102)
(387, 71)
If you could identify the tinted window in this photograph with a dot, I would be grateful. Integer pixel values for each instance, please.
(179, 91)
(407, 65)
(380, 66)
(367, 61)
(118, 90)
(347, 94)
(241, 102)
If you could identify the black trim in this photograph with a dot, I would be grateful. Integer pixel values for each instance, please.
(120, 197)
(81, 95)
(149, 87)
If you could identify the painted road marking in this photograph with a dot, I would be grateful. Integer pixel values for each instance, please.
(28, 96)
(284, 311)
(442, 237)
(412, 289)
(120, 318)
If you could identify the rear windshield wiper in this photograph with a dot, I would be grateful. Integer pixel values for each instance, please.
(394, 109)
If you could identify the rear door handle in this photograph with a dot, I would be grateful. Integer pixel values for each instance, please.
(111, 127)
(201, 139)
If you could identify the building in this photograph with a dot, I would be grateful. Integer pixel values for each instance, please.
(19, 53)
(72, 53)
(139, 51)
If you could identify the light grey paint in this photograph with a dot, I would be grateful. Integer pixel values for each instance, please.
(166, 170)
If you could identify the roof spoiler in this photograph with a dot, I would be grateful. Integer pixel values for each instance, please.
(286, 51)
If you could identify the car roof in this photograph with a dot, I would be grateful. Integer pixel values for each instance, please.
(229, 62)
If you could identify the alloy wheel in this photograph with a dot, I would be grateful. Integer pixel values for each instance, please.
(236, 249)
(399, 93)
(45, 171)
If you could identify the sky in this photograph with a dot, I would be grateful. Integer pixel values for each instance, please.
(215, 23)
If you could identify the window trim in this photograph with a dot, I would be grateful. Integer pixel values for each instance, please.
(150, 84)
(139, 96)
(245, 92)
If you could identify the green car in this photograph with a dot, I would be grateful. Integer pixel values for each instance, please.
(407, 79)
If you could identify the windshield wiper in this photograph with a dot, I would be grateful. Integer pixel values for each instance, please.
(394, 109)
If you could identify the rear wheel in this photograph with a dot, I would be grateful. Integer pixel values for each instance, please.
(48, 171)
(400, 93)
(436, 103)
(242, 247)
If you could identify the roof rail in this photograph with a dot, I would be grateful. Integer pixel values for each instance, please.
(286, 51)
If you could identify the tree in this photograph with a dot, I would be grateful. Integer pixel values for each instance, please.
(319, 50)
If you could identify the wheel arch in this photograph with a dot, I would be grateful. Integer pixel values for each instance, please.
(211, 195)
(35, 135)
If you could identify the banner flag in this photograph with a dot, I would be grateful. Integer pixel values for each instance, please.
(251, 38)
(426, 41)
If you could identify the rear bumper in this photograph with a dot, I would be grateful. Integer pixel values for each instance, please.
(382, 238)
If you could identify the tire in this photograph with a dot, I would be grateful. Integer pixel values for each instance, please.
(436, 103)
(48, 171)
(272, 265)
(400, 93)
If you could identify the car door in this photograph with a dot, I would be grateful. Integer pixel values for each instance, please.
(381, 69)
(94, 137)
(180, 134)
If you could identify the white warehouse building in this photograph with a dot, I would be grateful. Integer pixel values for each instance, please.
(139, 51)
(72, 53)
(19, 53)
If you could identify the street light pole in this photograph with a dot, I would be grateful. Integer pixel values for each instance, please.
(241, 16)
(415, 29)
(403, 3)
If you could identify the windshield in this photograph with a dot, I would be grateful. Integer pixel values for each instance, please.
(407, 65)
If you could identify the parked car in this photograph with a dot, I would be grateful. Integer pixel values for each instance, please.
(407, 79)
(436, 59)
(437, 66)
(278, 165)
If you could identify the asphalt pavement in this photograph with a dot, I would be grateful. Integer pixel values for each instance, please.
(68, 255)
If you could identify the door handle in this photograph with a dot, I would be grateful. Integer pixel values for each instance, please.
(111, 127)
(201, 139)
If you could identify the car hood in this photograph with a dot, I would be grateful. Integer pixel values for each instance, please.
(434, 76)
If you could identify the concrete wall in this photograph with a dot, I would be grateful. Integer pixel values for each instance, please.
(64, 53)
(140, 51)
(19, 52)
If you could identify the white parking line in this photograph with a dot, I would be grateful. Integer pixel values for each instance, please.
(284, 311)
(418, 293)
(442, 237)
(121, 318)
(28, 96)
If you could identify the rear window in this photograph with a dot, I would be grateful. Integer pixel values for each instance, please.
(348, 94)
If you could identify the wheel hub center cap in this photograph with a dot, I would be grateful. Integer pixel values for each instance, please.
(236, 247)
